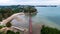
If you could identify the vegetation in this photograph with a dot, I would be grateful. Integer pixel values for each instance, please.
(2, 32)
(10, 32)
(30, 9)
(49, 30)
(8, 24)
(6, 11)
(1, 26)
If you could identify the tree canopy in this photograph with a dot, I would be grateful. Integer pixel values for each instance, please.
(8, 11)
(49, 30)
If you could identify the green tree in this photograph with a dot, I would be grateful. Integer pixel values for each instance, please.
(6, 12)
(49, 30)
(30, 9)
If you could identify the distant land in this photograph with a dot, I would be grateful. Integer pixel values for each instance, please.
(14, 6)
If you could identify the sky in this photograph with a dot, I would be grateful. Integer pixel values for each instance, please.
(29, 2)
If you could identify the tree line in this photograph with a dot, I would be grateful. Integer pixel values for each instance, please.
(8, 11)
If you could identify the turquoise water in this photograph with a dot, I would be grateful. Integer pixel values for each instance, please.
(49, 16)
(49, 11)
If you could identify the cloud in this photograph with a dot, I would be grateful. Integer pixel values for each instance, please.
(50, 3)
(30, 2)
(41, 3)
(7, 2)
